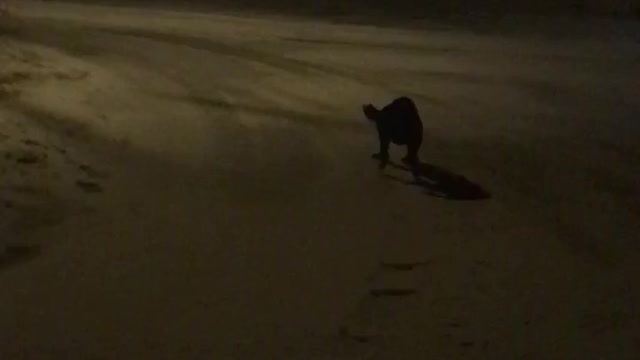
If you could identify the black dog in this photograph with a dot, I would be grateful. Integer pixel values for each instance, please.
(398, 123)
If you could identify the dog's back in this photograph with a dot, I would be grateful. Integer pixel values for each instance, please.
(402, 120)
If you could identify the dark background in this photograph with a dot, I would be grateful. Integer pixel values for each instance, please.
(408, 8)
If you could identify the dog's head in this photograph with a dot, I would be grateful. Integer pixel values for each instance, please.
(370, 111)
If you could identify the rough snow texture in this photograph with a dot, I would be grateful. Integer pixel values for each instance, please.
(191, 186)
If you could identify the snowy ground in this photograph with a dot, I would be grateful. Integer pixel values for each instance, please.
(198, 186)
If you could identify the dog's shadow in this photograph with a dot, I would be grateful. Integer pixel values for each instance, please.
(440, 182)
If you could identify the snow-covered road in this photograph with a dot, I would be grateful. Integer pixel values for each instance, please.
(199, 186)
